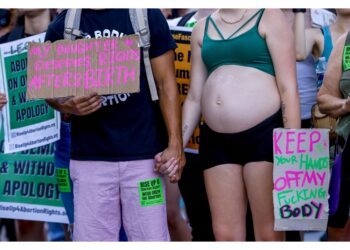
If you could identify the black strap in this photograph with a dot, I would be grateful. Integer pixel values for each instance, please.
(186, 18)
(16, 33)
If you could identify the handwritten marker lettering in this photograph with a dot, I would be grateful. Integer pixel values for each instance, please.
(301, 179)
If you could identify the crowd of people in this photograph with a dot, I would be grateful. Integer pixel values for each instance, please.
(252, 70)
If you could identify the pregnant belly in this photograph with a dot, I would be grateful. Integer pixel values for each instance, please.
(233, 102)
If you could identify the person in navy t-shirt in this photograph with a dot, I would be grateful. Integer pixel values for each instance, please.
(116, 137)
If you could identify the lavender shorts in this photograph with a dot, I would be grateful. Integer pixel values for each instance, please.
(107, 193)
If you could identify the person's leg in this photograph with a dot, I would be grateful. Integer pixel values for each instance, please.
(193, 192)
(339, 234)
(259, 185)
(30, 230)
(96, 201)
(9, 225)
(143, 202)
(178, 227)
(227, 200)
(249, 225)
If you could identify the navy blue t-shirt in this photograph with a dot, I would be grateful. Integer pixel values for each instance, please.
(128, 126)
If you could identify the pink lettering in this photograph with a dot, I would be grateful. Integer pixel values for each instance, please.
(288, 141)
(66, 77)
(46, 50)
(56, 83)
(300, 140)
(78, 79)
(315, 137)
(81, 46)
(89, 79)
(293, 176)
(129, 75)
(282, 186)
(135, 54)
(321, 177)
(34, 51)
(310, 178)
(36, 82)
(108, 76)
(102, 59)
(50, 79)
(276, 139)
(39, 65)
(299, 179)
(60, 50)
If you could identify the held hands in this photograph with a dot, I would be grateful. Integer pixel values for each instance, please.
(3, 100)
(170, 162)
(81, 106)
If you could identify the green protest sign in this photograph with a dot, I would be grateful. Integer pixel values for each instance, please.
(28, 186)
(151, 192)
(27, 124)
(346, 58)
(22, 113)
(62, 176)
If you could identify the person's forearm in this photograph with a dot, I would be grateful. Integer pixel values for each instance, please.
(170, 107)
(291, 109)
(299, 36)
(190, 118)
(332, 105)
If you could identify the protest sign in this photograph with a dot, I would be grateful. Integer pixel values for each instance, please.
(182, 37)
(151, 192)
(77, 68)
(27, 124)
(28, 187)
(301, 179)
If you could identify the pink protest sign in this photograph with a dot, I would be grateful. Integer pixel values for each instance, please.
(301, 179)
(76, 68)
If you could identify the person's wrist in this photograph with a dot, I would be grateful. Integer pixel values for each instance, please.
(299, 10)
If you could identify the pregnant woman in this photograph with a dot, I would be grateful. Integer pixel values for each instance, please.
(243, 82)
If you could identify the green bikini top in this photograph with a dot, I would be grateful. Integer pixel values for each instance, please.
(248, 49)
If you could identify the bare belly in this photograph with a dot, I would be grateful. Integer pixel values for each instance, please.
(237, 98)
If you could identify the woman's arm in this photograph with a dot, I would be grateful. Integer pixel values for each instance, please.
(329, 96)
(280, 41)
(306, 40)
(164, 74)
(192, 107)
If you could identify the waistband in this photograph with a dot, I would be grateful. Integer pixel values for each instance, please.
(273, 121)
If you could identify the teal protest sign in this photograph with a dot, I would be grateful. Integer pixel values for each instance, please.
(28, 187)
(27, 124)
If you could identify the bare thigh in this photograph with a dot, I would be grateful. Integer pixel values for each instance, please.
(259, 186)
(227, 201)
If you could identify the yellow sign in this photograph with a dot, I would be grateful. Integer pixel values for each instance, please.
(182, 36)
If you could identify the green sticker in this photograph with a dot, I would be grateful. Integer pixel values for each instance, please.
(151, 192)
(346, 58)
(62, 176)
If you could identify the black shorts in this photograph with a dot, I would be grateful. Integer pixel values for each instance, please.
(252, 145)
